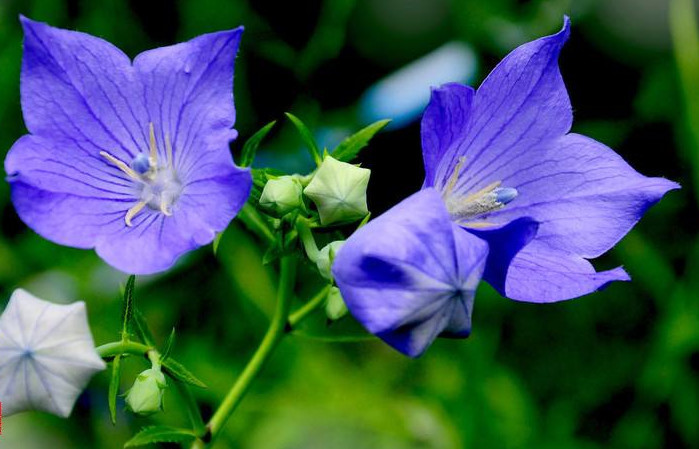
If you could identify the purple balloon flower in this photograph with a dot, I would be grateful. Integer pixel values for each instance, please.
(502, 168)
(411, 274)
(509, 171)
(129, 158)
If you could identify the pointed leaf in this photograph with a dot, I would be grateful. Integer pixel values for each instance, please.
(114, 382)
(168, 345)
(127, 313)
(364, 221)
(250, 147)
(349, 148)
(217, 240)
(307, 137)
(141, 329)
(161, 434)
(179, 372)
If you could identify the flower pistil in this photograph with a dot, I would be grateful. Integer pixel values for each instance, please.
(158, 186)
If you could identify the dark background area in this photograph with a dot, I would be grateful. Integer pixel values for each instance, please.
(616, 369)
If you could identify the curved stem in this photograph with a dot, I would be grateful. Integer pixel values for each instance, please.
(306, 236)
(274, 334)
(123, 347)
(304, 311)
(252, 219)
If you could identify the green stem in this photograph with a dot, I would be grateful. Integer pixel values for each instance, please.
(304, 311)
(192, 408)
(274, 334)
(123, 347)
(306, 236)
(252, 219)
(685, 36)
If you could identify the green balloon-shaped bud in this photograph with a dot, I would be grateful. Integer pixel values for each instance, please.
(146, 395)
(281, 196)
(326, 257)
(335, 307)
(338, 189)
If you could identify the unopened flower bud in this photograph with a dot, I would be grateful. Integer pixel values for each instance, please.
(335, 307)
(338, 189)
(326, 256)
(146, 395)
(281, 196)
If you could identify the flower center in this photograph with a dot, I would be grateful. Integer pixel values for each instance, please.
(465, 209)
(158, 186)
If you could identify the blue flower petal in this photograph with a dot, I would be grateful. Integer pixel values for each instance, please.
(82, 98)
(512, 137)
(410, 274)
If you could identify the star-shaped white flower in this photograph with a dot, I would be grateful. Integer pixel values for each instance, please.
(47, 355)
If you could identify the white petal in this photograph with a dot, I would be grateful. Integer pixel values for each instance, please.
(47, 355)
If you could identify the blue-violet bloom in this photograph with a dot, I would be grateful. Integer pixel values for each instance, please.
(128, 157)
(509, 171)
(411, 274)
(47, 355)
(502, 168)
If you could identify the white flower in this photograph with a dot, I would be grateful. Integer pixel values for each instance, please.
(47, 355)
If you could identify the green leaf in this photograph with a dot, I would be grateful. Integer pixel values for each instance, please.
(217, 240)
(307, 137)
(349, 148)
(179, 372)
(127, 313)
(114, 382)
(250, 147)
(364, 221)
(141, 328)
(161, 434)
(168, 345)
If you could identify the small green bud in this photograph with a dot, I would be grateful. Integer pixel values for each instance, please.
(146, 395)
(281, 196)
(326, 257)
(335, 307)
(339, 191)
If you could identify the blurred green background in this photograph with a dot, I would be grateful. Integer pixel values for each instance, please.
(617, 369)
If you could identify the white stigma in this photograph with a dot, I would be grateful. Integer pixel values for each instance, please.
(157, 186)
(471, 210)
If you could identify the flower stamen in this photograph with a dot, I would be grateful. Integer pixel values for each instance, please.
(158, 187)
(133, 211)
(121, 166)
(463, 209)
(153, 158)
(451, 183)
(168, 149)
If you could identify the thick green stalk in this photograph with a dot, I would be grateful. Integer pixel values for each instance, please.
(123, 347)
(274, 334)
(306, 236)
(685, 37)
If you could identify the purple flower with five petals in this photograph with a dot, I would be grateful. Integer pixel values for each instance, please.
(509, 171)
(502, 168)
(129, 158)
(411, 274)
